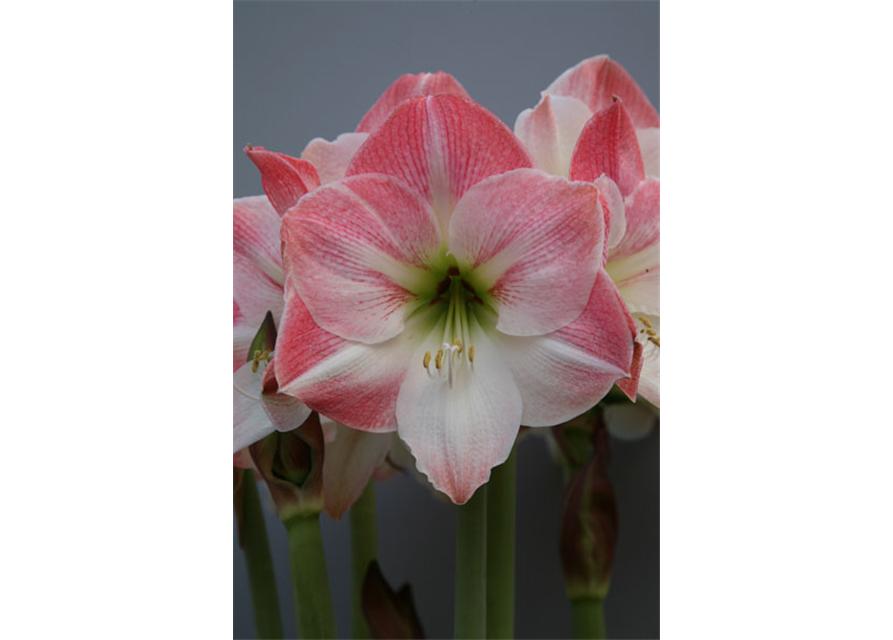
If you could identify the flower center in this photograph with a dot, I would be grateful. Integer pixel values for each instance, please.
(648, 332)
(457, 300)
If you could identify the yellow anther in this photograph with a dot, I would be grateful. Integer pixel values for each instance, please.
(654, 340)
(458, 343)
(427, 359)
(471, 353)
(438, 360)
(645, 322)
(254, 366)
(652, 332)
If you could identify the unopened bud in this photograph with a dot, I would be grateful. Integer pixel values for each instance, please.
(291, 465)
(389, 614)
(588, 532)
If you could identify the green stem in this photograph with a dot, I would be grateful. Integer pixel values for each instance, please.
(470, 619)
(310, 581)
(256, 547)
(588, 618)
(363, 550)
(501, 550)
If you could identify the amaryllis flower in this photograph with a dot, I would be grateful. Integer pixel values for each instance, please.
(448, 290)
(595, 124)
(258, 409)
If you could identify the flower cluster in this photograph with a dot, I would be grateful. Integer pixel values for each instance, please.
(436, 275)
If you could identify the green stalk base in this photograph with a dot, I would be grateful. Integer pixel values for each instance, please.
(310, 580)
(501, 494)
(256, 547)
(363, 551)
(470, 619)
(588, 618)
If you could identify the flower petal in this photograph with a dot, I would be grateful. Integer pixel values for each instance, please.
(250, 421)
(596, 80)
(642, 212)
(550, 131)
(257, 261)
(285, 179)
(649, 379)
(441, 146)
(405, 87)
(350, 461)
(458, 432)
(356, 250)
(350, 382)
(331, 158)
(285, 412)
(533, 242)
(649, 144)
(608, 145)
(563, 374)
(615, 212)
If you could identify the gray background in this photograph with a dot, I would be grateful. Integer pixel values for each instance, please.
(306, 69)
(767, 529)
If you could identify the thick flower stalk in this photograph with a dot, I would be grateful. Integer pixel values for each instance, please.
(595, 124)
(447, 290)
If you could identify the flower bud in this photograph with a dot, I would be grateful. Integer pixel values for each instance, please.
(389, 614)
(291, 465)
(588, 532)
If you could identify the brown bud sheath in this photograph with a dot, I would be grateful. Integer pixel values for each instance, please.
(290, 463)
(389, 614)
(588, 532)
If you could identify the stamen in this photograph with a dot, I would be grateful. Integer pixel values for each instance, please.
(651, 332)
(645, 322)
(654, 340)
(438, 360)
(458, 343)
(427, 359)
(471, 353)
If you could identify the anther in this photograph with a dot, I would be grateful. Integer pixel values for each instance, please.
(458, 343)
(651, 332)
(654, 340)
(471, 353)
(438, 360)
(645, 322)
(427, 359)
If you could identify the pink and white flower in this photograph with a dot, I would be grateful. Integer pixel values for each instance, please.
(595, 124)
(447, 290)
(351, 457)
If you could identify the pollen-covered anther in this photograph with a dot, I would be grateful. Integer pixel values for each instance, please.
(656, 341)
(645, 322)
(458, 343)
(260, 356)
(427, 360)
(471, 353)
(438, 360)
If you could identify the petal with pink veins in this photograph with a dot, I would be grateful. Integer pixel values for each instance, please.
(649, 144)
(564, 373)
(357, 249)
(350, 462)
(550, 131)
(257, 261)
(458, 430)
(533, 242)
(284, 412)
(649, 380)
(331, 158)
(285, 179)
(596, 80)
(441, 146)
(642, 213)
(350, 382)
(608, 146)
(405, 87)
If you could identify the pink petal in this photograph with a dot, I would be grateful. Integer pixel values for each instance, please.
(285, 179)
(596, 80)
(350, 461)
(356, 250)
(458, 432)
(642, 212)
(649, 144)
(615, 212)
(284, 412)
(257, 261)
(608, 145)
(630, 385)
(350, 382)
(533, 242)
(649, 379)
(331, 158)
(550, 131)
(563, 374)
(441, 146)
(405, 87)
